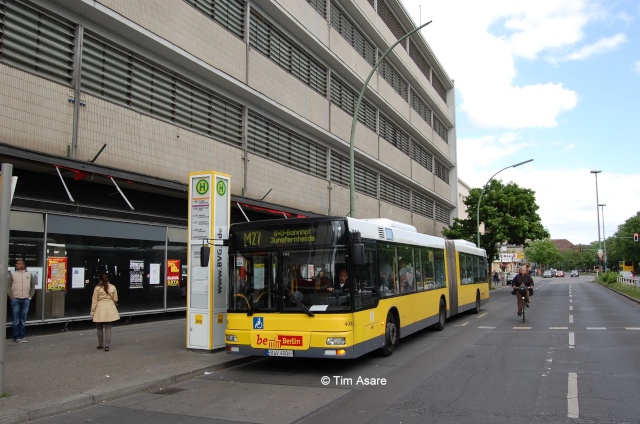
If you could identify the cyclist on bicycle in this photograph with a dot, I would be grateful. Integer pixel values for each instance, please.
(522, 279)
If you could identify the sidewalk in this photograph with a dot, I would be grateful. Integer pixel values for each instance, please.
(59, 372)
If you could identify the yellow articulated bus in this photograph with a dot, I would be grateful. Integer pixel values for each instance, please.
(626, 266)
(336, 287)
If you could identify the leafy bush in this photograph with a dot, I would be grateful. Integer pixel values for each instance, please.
(609, 277)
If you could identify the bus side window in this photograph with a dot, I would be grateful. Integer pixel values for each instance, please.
(438, 265)
(387, 269)
(364, 281)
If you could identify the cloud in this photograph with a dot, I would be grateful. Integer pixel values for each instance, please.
(545, 25)
(536, 105)
(570, 147)
(567, 200)
(485, 150)
(566, 197)
(482, 49)
(481, 58)
(603, 45)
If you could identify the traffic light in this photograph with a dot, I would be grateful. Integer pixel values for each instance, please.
(635, 236)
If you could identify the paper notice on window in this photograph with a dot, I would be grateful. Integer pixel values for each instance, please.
(77, 278)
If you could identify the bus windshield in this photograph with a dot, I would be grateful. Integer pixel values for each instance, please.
(290, 281)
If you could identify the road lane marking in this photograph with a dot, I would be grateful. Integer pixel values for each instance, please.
(570, 300)
(632, 328)
(481, 315)
(572, 340)
(571, 308)
(570, 319)
(487, 328)
(558, 328)
(573, 409)
(522, 328)
(596, 328)
(549, 361)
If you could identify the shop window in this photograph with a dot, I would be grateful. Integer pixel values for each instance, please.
(80, 249)
(26, 242)
(176, 268)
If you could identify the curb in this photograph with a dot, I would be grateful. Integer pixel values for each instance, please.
(99, 395)
(616, 291)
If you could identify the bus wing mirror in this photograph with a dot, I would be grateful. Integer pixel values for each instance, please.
(205, 253)
(357, 254)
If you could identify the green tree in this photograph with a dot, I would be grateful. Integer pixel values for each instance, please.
(622, 247)
(580, 257)
(570, 258)
(509, 214)
(615, 252)
(543, 252)
(587, 256)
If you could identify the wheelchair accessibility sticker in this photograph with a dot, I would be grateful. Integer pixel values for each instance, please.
(258, 323)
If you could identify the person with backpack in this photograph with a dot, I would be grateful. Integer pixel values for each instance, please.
(522, 278)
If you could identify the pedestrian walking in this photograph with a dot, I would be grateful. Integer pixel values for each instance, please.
(104, 310)
(496, 278)
(21, 288)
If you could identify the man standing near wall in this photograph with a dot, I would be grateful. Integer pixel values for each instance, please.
(21, 288)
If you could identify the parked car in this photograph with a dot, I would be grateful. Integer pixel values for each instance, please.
(547, 274)
(626, 274)
(560, 273)
(574, 273)
(510, 277)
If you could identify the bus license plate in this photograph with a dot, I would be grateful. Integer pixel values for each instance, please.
(285, 353)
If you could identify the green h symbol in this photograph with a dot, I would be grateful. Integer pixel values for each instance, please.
(202, 186)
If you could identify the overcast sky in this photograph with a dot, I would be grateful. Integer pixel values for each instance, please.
(557, 81)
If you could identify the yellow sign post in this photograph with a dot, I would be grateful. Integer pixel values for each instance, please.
(209, 220)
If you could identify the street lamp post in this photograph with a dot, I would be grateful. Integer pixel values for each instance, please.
(352, 193)
(482, 192)
(604, 237)
(596, 172)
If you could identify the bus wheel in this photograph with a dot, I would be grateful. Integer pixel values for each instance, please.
(477, 308)
(442, 316)
(390, 335)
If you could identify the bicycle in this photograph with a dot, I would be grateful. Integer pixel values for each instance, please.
(521, 291)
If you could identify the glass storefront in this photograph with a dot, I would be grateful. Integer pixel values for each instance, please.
(146, 263)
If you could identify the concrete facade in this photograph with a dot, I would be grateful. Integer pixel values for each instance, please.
(177, 39)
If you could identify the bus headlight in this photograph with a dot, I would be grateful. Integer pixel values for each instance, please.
(336, 341)
(231, 338)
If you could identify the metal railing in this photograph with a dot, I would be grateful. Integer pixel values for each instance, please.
(632, 282)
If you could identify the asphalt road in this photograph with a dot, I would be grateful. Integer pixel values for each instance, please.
(574, 360)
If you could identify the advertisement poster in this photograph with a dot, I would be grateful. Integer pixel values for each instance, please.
(173, 272)
(136, 273)
(154, 274)
(56, 274)
(77, 278)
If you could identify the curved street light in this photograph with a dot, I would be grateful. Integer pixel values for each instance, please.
(604, 236)
(482, 192)
(596, 172)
